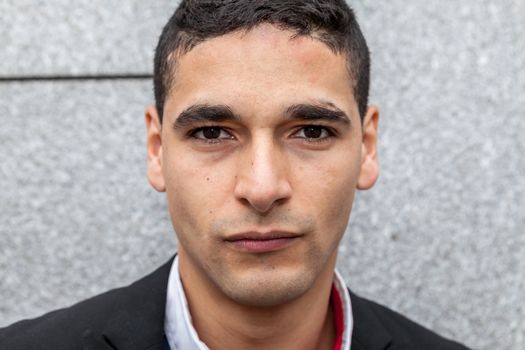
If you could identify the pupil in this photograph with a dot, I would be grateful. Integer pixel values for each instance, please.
(211, 133)
(312, 132)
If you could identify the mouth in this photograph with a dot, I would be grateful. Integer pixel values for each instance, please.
(261, 242)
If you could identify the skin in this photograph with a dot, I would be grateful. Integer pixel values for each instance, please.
(265, 172)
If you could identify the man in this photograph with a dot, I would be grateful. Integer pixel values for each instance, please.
(260, 135)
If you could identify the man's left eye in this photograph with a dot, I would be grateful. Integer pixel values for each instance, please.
(312, 132)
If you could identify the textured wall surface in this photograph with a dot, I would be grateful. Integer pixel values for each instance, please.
(440, 237)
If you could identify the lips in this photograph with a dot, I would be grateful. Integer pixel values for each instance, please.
(261, 242)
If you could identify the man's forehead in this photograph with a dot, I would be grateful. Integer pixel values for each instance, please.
(264, 68)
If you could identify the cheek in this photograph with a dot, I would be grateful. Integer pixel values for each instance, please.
(340, 187)
(195, 193)
(328, 188)
(182, 199)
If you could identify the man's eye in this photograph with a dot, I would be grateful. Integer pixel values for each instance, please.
(313, 132)
(211, 133)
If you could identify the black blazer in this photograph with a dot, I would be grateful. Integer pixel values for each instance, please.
(132, 318)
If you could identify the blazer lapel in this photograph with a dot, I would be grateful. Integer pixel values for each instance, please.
(137, 319)
(368, 333)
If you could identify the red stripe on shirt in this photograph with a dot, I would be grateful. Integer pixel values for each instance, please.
(337, 307)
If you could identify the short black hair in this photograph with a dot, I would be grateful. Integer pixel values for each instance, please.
(330, 21)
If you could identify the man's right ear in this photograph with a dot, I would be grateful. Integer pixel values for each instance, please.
(154, 149)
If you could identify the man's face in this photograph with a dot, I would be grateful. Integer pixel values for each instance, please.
(260, 152)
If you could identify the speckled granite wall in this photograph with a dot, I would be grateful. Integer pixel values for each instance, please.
(440, 238)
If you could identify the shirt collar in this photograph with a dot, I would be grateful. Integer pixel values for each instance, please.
(348, 316)
(182, 335)
(178, 327)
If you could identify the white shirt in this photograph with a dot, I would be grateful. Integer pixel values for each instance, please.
(182, 335)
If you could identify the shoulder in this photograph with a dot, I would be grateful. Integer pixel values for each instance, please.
(85, 323)
(60, 329)
(373, 319)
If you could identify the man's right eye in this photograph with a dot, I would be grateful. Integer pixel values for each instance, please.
(211, 133)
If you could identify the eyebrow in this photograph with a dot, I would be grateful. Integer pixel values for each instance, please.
(219, 113)
(204, 113)
(318, 112)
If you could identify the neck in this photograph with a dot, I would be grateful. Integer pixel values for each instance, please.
(303, 323)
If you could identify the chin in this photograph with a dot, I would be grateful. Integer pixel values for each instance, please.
(268, 289)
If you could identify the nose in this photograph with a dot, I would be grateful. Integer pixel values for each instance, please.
(263, 177)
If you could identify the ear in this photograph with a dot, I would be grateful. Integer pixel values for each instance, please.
(154, 149)
(369, 162)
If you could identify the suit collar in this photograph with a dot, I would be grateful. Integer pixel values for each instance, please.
(368, 333)
(137, 320)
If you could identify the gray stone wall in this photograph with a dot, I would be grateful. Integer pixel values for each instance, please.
(440, 238)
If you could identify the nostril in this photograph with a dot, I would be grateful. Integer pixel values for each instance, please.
(263, 198)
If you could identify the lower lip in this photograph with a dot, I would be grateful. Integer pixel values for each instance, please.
(261, 246)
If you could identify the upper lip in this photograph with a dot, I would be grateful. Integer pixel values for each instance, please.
(261, 236)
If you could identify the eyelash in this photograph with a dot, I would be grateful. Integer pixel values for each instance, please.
(195, 131)
(328, 131)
